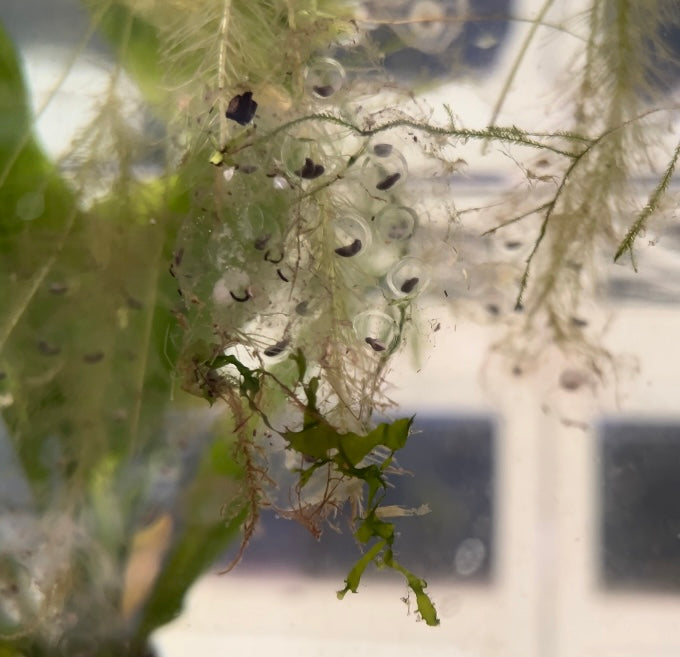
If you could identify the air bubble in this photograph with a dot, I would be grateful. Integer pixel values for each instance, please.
(376, 329)
(470, 556)
(395, 223)
(324, 78)
(351, 236)
(407, 278)
(279, 182)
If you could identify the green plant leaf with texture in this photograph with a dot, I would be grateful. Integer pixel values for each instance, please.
(87, 362)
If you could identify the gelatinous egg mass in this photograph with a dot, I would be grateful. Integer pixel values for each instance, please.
(351, 236)
(349, 250)
(324, 78)
(407, 277)
(384, 167)
(395, 223)
(376, 329)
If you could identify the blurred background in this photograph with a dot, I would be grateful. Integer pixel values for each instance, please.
(554, 524)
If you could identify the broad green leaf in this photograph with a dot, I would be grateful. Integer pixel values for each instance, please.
(354, 576)
(316, 440)
(372, 526)
(393, 436)
(203, 534)
(425, 607)
(137, 47)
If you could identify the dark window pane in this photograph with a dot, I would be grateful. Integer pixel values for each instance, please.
(451, 460)
(640, 520)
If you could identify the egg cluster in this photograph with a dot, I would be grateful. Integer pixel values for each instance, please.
(306, 239)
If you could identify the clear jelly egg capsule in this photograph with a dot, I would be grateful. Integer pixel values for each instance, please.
(351, 236)
(395, 223)
(433, 25)
(304, 156)
(376, 329)
(324, 78)
(385, 167)
(261, 230)
(407, 278)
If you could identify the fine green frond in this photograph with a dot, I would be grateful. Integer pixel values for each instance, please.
(651, 206)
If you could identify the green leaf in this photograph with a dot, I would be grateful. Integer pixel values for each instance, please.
(314, 441)
(318, 437)
(203, 533)
(138, 48)
(372, 526)
(393, 436)
(299, 358)
(354, 576)
(250, 384)
(425, 607)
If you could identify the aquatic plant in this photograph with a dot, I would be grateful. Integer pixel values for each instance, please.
(238, 222)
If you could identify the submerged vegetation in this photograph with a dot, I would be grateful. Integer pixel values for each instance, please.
(240, 221)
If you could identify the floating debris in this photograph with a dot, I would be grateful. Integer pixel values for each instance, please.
(57, 288)
(269, 258)
(242, 108)
(579, 322)
(282, 276)
(349, 250)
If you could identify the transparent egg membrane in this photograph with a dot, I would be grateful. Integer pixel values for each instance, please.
(301, 237)
(315, 235)
(442, 38)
